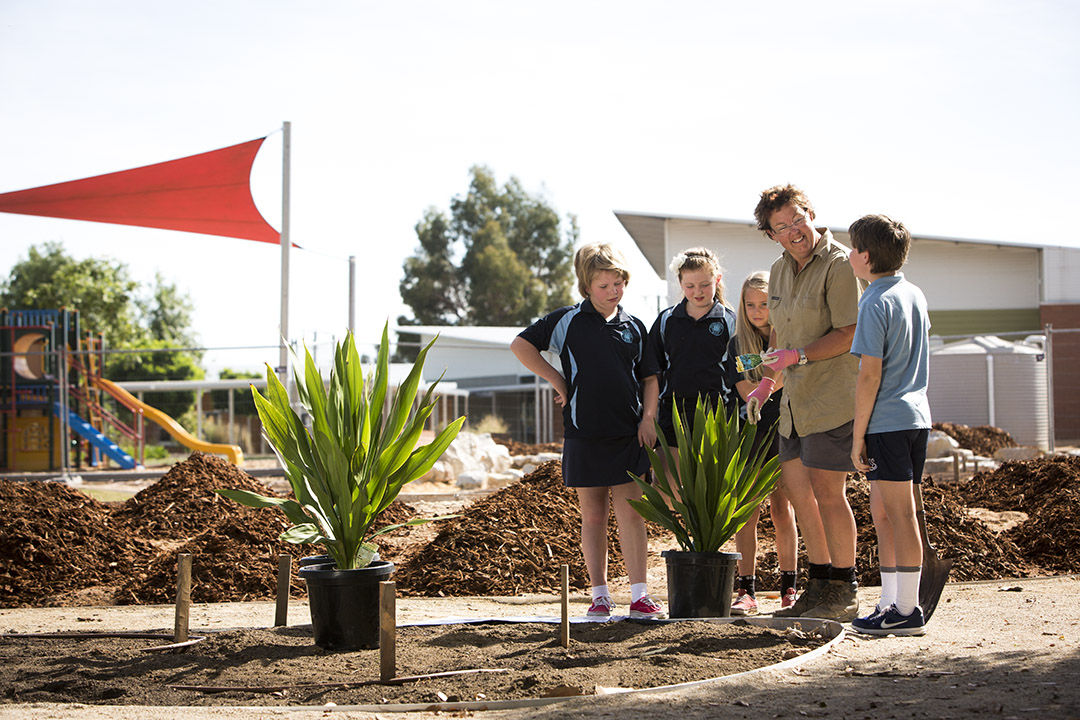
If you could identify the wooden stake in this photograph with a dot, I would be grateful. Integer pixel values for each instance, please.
(387, 630)
(183, 597)
(284, 580)
(564, 627)
(956, 468)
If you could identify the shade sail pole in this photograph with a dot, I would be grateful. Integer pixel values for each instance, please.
(283, 339)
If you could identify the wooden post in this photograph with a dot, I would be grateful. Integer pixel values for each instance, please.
(564, 628)
(183, 597)
(956, 467)
(387, 630)
(284, 580)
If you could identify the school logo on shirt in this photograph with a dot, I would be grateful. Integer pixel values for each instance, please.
(627, 336)
(717, 329)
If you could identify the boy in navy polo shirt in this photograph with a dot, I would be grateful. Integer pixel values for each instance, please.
(608, 420)
(892, 415)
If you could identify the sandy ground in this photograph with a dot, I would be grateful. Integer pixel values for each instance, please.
(1010, 649)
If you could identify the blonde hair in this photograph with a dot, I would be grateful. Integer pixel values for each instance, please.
(595, 258)
(700, 258)
(748, 337)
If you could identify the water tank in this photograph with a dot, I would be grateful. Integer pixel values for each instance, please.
(991, 381)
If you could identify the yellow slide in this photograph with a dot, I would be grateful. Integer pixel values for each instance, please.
(232, 452)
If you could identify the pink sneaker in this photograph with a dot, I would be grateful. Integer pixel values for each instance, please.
(745, 604)
(788, 598)
(601, 607)
(647, 608)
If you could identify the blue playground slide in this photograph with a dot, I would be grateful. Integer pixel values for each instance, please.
(97, 439)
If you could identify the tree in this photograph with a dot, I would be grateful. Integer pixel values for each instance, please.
(166, 315)
(109, 303)
(100, 289)
(515, 258)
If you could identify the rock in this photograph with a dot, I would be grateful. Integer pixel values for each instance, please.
(471, 480)
(470, 453)
(1017, 453)
(501, 480)
(440, 472)
(940, 445)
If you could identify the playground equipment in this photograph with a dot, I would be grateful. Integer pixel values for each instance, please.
(52, 396)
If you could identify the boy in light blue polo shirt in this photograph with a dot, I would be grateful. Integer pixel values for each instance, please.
(892, 415)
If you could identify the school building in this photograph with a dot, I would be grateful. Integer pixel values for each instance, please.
(973, 287)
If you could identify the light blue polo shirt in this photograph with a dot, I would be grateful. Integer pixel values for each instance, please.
(894, 325)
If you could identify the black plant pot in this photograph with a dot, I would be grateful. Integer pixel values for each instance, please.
(344, 604)
(700, 583)
(316, 560)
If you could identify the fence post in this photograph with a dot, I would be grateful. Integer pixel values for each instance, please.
(1048, 329)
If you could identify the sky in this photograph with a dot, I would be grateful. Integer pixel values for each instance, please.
(958, 118)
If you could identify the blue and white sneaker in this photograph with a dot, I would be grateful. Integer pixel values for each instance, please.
(891, 622)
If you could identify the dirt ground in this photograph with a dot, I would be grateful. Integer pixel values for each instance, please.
(70, 563)
(1008, 649)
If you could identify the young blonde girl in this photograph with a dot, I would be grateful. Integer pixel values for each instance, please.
(607, 389)
(752, 329)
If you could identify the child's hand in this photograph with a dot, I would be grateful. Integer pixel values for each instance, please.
(758, 397)
(780, 359)
(858, 454)
(559, 387)
(646, 432)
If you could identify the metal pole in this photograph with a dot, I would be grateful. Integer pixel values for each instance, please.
(65, 410)
(1049, 345)
(352, 294)
(283, 358)
(232, 416)
(537, 410)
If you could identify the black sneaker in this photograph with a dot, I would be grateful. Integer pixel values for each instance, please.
(811, 596)
(891, 622)
(839, 601)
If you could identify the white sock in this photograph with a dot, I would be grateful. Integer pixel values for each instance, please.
(907, 589)
(888, 588)
(599, 591)
(638, 591)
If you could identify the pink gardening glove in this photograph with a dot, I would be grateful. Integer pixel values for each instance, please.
(757, 398)
(780, 359)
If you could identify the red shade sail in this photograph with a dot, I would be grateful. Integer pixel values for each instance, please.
(209, 193)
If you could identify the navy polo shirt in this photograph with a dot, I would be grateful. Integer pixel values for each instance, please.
(693, 354)
(603, 362)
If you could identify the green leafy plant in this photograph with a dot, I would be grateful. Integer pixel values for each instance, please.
(360, 451)
(720, 479)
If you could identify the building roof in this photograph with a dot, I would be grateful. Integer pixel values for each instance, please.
(647, 230)
(473, 335)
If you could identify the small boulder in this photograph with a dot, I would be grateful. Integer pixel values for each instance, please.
(1017, 453)
(940, 445)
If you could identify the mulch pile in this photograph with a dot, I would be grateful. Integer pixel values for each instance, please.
(511, 542)
(520, 448)
(56, 541)
(983, 440)
(57, 544)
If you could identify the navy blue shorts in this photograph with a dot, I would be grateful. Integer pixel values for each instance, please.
(898, 456)
(602, 463)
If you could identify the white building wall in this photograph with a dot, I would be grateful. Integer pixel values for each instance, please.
(741, 248)
(972, 276)
(953, 276)
(1061, 274)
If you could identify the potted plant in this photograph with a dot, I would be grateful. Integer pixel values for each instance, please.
(345, 469)
(718, 478)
